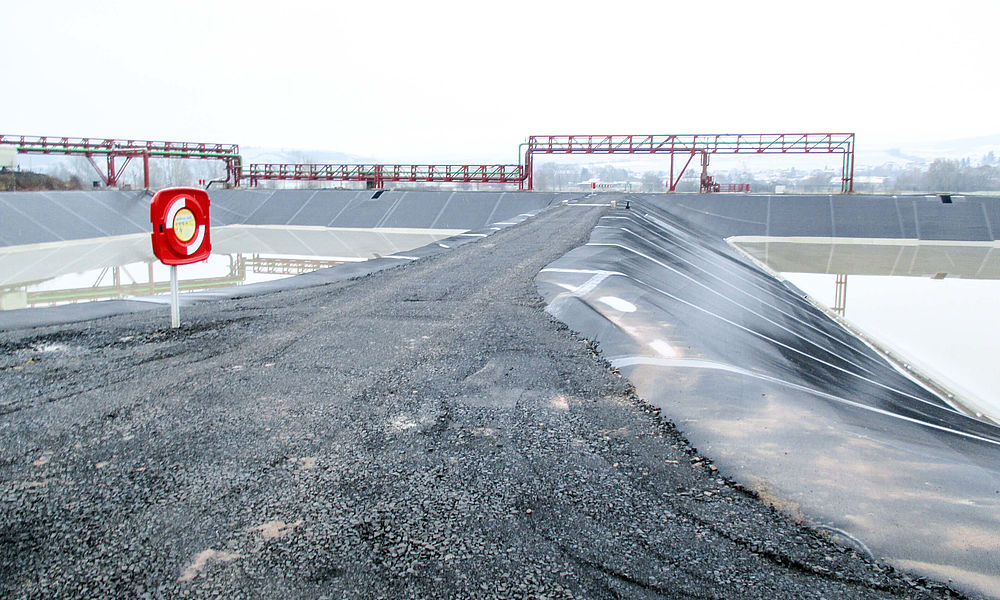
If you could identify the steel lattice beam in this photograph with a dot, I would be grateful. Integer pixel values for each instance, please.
(701, 144)
(377, 174)
(110, 149)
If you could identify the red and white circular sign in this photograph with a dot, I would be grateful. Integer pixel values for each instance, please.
(180, 220)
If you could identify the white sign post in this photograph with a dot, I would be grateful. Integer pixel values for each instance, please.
(175, 299)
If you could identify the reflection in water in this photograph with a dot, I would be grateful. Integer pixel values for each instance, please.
(121, 267)
(151, 278)
(917, 258)
(840, 295)
(933, 304)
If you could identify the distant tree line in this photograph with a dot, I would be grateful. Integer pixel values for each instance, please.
(12, 180)
(945, 175)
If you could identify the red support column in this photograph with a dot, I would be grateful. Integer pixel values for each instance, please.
(704, 185)
(100, 173)
(145, 170)
(673, 182)
(671, 187)
(850, 157)
(112, 180)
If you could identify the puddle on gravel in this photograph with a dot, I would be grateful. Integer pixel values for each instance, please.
(931, 304)
(48, 274)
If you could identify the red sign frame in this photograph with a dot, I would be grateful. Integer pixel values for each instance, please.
(181, 232)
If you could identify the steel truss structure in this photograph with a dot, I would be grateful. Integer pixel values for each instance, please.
(377, 175)
(110, 150)
(686, 146)
(691, 145)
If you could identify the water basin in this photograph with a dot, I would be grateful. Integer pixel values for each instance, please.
(54, 273)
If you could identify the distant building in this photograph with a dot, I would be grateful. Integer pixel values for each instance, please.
(596, 184)
(859, 179)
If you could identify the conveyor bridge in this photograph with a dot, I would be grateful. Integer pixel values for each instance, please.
(692, 145)
(686, 146)
(111, 150)
(376, 175)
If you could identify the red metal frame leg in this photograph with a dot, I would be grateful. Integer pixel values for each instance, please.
(112, 179)
(100, 173)
(674, 182)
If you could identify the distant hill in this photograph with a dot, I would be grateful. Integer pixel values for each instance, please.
(924, 153)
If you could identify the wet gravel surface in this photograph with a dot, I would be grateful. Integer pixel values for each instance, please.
(427, 431)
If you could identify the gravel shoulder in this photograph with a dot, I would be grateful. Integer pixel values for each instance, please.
(426, 431)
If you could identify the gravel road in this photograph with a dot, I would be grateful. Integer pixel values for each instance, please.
(427, 431)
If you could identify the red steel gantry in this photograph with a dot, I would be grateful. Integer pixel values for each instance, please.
(111, 149)
(376, 175)
(697, 145)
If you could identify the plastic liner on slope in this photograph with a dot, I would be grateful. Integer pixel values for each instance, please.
(783, 398)
(39, 217)
(925, 217)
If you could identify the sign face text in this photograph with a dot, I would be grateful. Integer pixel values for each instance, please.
(180, 226)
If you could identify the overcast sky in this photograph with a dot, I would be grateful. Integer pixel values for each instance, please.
(467, 81)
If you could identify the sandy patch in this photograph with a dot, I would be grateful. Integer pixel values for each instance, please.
(307, 462)
(560, 402)
(276, 529)
(202, 559)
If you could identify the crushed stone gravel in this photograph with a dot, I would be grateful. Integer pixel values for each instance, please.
(423, 432)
